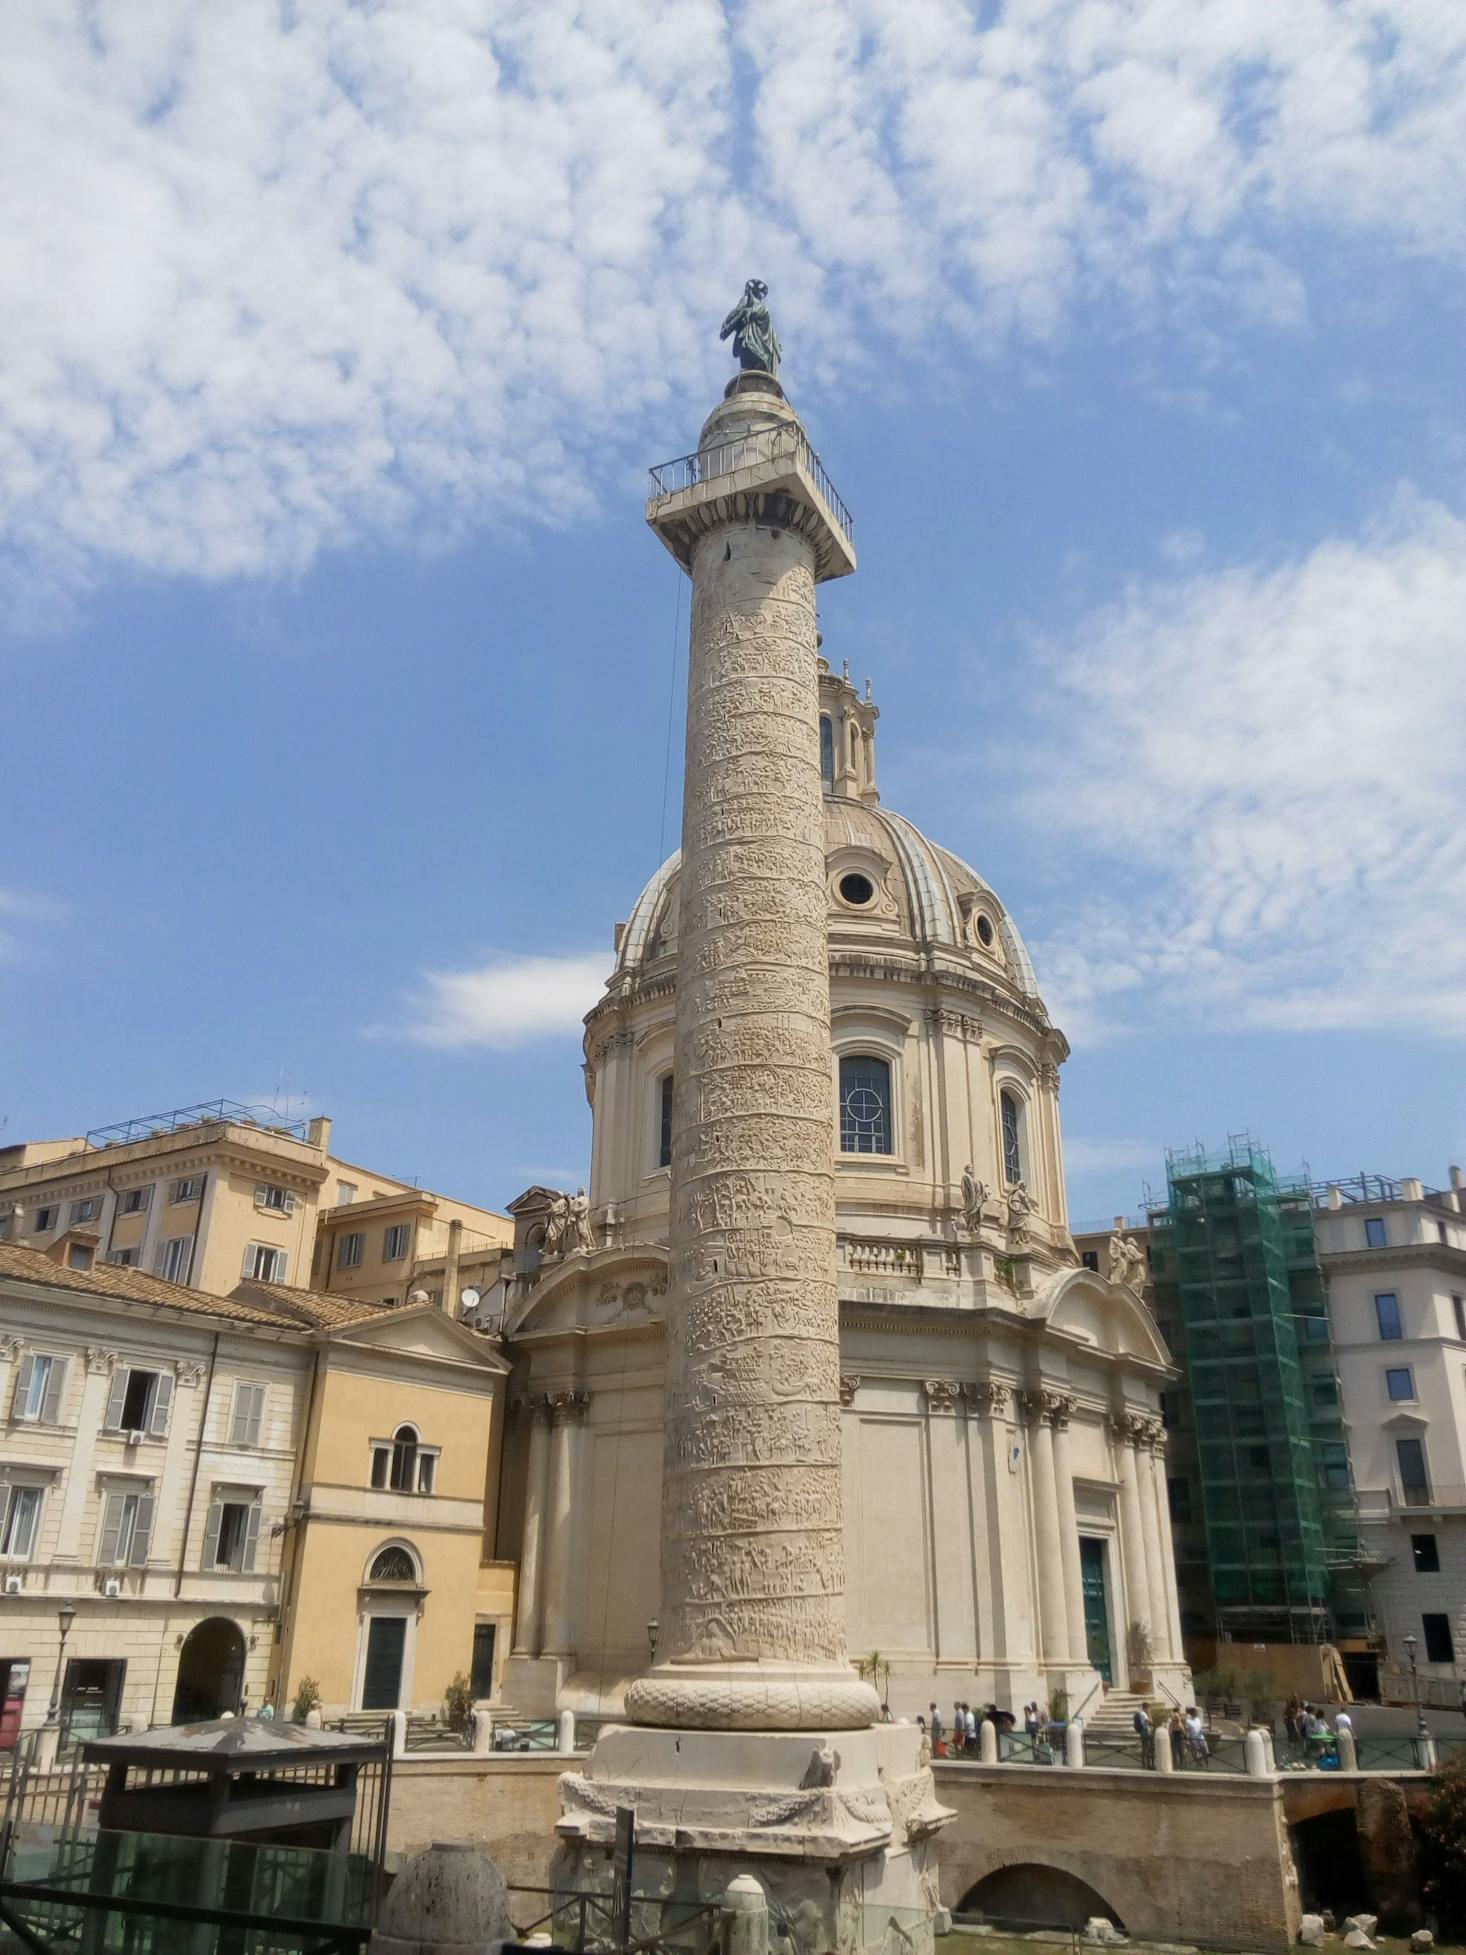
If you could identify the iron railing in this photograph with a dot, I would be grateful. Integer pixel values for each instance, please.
(772, 441)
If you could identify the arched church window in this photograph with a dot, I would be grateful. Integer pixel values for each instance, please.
(404, 1459)
(393, 1565)
(865, 1105)
(827, 750)
(1011, 1110)
(664, 1121)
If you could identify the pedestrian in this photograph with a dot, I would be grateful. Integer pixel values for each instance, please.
(1463, 1699)
(1145, 1731)
(1195, 1735)
(959, 1731)
(937, 1731)
(1176, 1732)
(969, 1723)
(1290, 1719)
(1343, 1721)
(1032, 1722)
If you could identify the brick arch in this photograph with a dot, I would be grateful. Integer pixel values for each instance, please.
(1034, 1894)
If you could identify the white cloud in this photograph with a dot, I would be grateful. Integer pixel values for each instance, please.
(281, 277)
(1267, 763)
(506, 1002)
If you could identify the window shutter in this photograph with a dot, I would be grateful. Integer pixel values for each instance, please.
(211, 1534)
(251, 1537)
(111, 1528)
(51, 1404)
(249, 1406)
(289, 1202)
(261, 1193)
(142, 1533)
(162, 1399)
(282, 1265)
(256, 1414)
(112, 1418)
(22, 1387)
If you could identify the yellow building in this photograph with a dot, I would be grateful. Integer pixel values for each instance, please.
(204, 1498)
(407, 1242)
(211, 1195)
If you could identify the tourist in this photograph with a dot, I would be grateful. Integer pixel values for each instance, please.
(937, 1729)
(1176, 1732)
(1290, 1719)
(1343, 1721)
(1145, 1731)
(1195, 1735)
(1032, 1722)
(969, 1727)
(959, 1731)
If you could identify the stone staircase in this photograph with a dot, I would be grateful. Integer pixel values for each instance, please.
(1114, 1715)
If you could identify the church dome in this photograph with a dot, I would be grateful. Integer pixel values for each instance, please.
(887, 880)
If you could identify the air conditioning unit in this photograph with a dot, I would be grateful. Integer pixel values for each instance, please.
(14, 1584)
(133, 1438)
(111, 1588)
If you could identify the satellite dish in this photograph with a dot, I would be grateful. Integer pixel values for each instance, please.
(470, 1298)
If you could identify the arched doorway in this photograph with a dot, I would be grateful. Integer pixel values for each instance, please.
(210, 1671)
(1034, 1896)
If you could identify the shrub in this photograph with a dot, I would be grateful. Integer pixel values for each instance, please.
(458, 1702)
(307, 1696)
(1443, 1830)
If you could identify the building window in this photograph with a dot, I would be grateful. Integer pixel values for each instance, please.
(404, 1459)
(280, 1201)
(1399, 1382)
(1440, 1232)
(394, 1243)
(481, 1672)
(393, 1565)
(1387, 1315)
(247, 1416)
(84, 1210)
(1090, 1259)
(38, 1389)
(865, 1105)
(1438, 1645)
(45, 1220)
(264, 1263)
(125, 1258)
(232, 1533)
(1458, 1309)
(127, 1526)
(664, 1121)
(138, 1401)
(1179, 1494)
(1374, 1232)
(1325, 1391)
(345, 1193)
(187, 1190)
(1414, 1482)
(1426, 1554)
(348, 1250)
(20, 1522)
(1010, 1109)
(133, 1201)
(1170, 1411)
(1335, 1459)
(175, 1259)
(827, 749)
(80, 1255)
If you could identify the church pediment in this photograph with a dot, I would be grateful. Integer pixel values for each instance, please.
(423, 1331)
(612, 1288)
(1082, 1304)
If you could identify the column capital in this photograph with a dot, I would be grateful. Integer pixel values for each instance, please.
(98, 1360)
(941, 1394)
(1128, 1428)
(1053, 1408)
(849, 1386)
(1153, 1436)
(987, 1398)
(10, 1347)
(566, 1408)
(190, 1371)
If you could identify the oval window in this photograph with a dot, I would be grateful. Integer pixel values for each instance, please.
(857, 889)
(984, 931)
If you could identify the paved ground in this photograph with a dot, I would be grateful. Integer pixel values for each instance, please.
(1388, 1720)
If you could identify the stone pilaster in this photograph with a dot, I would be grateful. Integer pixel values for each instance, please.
(528, 1613)
(566, 1412)
(1139, 1603)
(1060, 1410)
(1053, 1606)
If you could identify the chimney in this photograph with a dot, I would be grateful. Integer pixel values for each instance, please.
(318, 1133)
(1411, 1188)
(450, 1268)
(1336, 1200)
(1458, 1180)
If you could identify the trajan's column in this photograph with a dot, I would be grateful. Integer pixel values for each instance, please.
(752, 1607)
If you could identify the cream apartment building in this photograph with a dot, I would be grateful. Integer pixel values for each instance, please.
(214, 1194)
(1394, 1257)
(206, 1500)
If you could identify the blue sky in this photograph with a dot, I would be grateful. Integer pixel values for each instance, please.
(334, 341)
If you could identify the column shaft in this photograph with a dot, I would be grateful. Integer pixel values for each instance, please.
(565, 1412)
(527, 1615)
(1139, 1605)
(1154, 1521)
(1069, 1542)
(1053, 1628)
(1168, 1637)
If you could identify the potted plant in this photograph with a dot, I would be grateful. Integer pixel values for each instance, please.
(307, 1698)
(458, 1703)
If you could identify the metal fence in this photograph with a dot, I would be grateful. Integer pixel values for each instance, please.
(773, 441)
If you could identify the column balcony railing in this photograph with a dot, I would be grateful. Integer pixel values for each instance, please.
(756, 447)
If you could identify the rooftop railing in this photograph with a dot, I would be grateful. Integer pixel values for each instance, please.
(773, 441)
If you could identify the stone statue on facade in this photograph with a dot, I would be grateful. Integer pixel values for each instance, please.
(755, 343)
(557, 1220)
(1020, 1206)
(577, 1226)
(1126, 1262)
(974, 1197)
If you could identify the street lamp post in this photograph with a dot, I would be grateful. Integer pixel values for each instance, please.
(65, 1617)
(1423, 1749)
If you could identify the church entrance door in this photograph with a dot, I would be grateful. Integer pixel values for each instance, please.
(1096, 1604)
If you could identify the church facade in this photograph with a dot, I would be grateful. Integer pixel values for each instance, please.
(1006, 1516)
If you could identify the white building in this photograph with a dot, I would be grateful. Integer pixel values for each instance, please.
(1004, 1472)
(1394, 1256)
